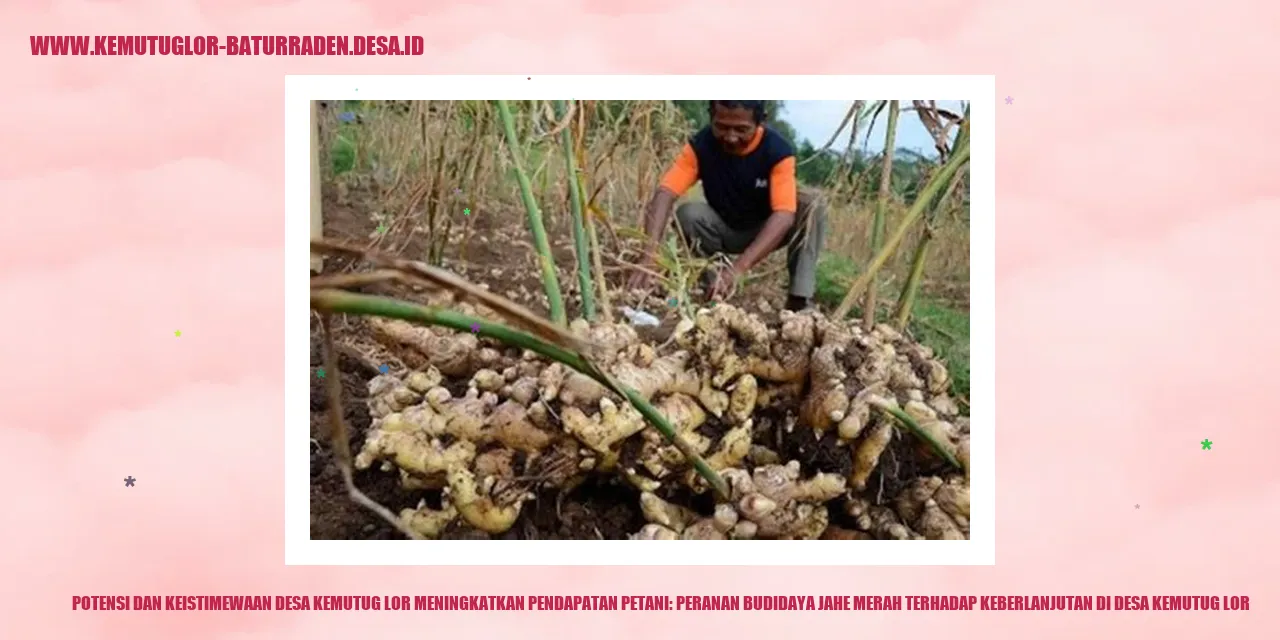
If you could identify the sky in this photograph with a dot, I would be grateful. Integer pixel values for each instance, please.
(816, 120)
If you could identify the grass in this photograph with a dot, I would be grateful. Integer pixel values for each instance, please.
(342, 151)
(342, 156)
(934, 322)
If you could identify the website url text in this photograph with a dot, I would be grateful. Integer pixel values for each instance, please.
(229, 45)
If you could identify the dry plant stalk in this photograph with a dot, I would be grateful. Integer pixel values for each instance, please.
(926, 197)
(841, 173)
(882, 203)
(591, 212)
(849, 116)
(439, 238)
(577, 214)
(440, 279)
(933, 122)
(338, 436)
(477, 170)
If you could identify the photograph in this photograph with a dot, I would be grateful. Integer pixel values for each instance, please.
(633, 320)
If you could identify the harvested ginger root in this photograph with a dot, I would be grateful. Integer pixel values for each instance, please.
(476, 504)
(938, 509)
(732, 387)
(866, 456)
(733, 448)
(661, 458)
(415, 452)
(427, 522)
(389, 394)
(603, 431)
(454, 354)
(472, 418)
(668, 521)
(780, 505)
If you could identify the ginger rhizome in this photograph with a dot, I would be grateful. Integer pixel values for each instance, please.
(795, 414)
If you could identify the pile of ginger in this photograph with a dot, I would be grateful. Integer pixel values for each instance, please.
(516, 423)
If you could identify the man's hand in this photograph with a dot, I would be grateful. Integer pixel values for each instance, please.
(654, 220)
(640, 279)
(642, 274)
(723, 284)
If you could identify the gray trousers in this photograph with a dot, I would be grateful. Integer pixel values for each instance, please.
(708, 233)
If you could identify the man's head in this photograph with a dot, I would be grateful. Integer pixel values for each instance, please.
(734, 122)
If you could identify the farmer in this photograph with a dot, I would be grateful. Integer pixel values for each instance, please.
(748, 174)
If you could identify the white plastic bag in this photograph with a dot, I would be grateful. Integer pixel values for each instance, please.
(640, 318)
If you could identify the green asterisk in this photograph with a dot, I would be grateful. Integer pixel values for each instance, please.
(466, 212)
(320, 372)
(382, 228)
(1206, 444)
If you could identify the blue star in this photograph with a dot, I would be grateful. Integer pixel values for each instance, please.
(383, 369)
(347, 116)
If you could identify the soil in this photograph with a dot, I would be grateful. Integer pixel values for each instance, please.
(497, 254)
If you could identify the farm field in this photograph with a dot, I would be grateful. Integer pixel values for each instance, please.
(818, 423)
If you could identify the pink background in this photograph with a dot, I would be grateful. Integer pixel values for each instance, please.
(1137, 238)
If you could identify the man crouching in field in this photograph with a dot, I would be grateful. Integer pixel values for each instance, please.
(748, 174)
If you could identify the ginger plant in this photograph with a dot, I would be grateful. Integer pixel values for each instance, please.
(910, 289)
(581, 252)
(882, 202)
(939, 181)
(550, 280)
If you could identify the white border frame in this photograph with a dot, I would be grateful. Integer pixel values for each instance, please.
(301, 550)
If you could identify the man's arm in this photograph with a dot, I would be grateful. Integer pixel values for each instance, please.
(782, 196)
(656, 215)
(675, 183)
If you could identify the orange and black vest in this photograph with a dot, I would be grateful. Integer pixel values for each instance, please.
(737, 187)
